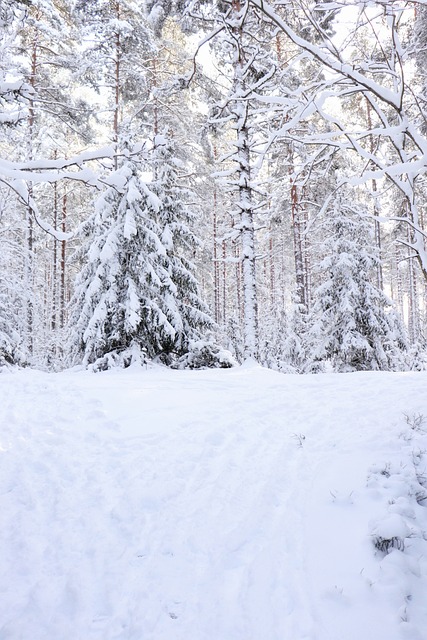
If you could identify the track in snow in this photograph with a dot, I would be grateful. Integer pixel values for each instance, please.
(159, 505)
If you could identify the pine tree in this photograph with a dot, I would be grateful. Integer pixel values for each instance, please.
(352, 324)
(117, 60)
(245, 58)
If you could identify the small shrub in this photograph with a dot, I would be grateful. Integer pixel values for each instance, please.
(205, 355)
(387, 544)
(416, 421)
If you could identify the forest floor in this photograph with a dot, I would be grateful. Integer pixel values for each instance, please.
(242, 504)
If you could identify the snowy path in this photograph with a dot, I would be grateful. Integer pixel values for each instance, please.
(215, 505)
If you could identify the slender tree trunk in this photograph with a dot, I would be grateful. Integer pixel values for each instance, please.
(299, 253)
(250, 302)
(377, 228)
(224, 282)
(117, 80)
(215, 259)
(53, 323)
(63, 261)
(215, 249)
(29, 281)
(29, 262)
(272, 283)
(239, 305)
(155, 100)
(413, 309)
(423, 227)
(398, 279)
(245, 196)
(307, 263)
(270, 267)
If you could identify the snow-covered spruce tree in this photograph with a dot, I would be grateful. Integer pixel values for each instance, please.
(9, 337)
(15, 94)
(11, 295)
(294, 349)
(283, 339)
(116, 291)
(136, 297)
(352, 323)
(181, 302)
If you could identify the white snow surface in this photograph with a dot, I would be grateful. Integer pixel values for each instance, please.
(241, 504)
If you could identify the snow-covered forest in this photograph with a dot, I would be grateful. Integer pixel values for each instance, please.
(197, 182)
(237, 187)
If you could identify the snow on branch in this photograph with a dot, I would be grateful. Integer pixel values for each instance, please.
(17, 175)
(21, 189)
(332, 59)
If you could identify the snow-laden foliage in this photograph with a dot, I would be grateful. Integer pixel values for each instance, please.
(14, 89)
(283, 346)
(352, 323)
(11, 330)
(12, 291)
(136, 296)
(182, 305)
(9, 338)
(417, 357)
(203, 354)
(118, 55)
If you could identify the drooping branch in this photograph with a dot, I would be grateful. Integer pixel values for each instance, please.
(17, 175)
(386, 91)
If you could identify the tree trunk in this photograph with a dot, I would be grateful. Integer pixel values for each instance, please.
(245, 197)
(63, 261)
(117, 79)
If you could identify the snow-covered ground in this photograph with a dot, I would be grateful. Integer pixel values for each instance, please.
(213, 505)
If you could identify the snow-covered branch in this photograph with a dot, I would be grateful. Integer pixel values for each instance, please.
(17, 176)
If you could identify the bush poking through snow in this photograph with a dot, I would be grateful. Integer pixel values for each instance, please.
(205, 355)
(416, 422)
(421, 497)
(390, 533)
(121, 358)
(387, 544)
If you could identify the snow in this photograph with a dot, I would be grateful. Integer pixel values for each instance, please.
(237, 504)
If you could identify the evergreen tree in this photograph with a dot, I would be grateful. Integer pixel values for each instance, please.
(11, 293)
(114, 305)
(15, 94)
(283, 344)
(182, 305)
(14, 90)
(9, 337)
(136, 298)
(352, 324)
(117, 60)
